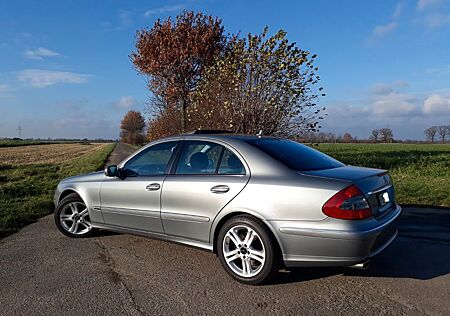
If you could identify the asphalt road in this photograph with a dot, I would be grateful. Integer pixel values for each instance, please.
(44, 272)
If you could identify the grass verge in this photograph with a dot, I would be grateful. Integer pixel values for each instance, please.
(26, 192)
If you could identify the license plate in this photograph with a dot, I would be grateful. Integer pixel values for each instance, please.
(384, 198)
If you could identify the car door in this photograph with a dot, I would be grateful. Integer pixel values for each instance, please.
(133, 201)
(207, 176)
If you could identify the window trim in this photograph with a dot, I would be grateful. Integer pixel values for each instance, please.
(220, 160)
(216, 173)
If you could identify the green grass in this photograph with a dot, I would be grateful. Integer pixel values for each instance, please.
(421, 172)
(15, 143)
(26, 192)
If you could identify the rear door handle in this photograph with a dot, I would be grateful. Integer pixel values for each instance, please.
(153, 187)
(220, 189)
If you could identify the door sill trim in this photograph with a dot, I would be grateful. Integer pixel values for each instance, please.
(163, 237)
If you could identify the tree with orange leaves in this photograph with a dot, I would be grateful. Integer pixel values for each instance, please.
(132, 126)
(174, 54)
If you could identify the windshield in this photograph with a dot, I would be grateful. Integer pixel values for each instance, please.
(294, 155)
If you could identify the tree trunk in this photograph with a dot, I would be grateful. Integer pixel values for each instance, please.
(183, 115)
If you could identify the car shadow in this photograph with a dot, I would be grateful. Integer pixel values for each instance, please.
(105, 233)
(421, 251)
(405, 258)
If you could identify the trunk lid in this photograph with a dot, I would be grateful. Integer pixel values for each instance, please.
(376, 185)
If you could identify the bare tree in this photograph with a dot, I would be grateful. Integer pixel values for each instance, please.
(386, 135)
(431, 133)
(443, 131)
(374, 135)
(347, 138)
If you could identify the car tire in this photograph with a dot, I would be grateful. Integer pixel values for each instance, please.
(72, 217)
(250, 259)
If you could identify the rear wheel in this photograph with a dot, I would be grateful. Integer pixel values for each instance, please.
(72, 217)
(247, 250)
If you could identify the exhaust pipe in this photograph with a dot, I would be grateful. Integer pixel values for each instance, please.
(362, 265)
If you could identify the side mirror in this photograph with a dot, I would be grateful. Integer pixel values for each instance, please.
(112, 171)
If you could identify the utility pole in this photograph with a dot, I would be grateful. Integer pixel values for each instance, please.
(20, 131)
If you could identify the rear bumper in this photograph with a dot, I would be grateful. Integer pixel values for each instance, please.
(321, 244)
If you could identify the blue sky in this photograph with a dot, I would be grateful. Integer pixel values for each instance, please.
(65, 70)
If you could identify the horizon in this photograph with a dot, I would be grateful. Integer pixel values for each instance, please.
(69, 75)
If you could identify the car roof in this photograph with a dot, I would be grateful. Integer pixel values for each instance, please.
(220, 136)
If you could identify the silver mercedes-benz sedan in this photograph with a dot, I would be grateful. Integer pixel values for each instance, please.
(259, 203)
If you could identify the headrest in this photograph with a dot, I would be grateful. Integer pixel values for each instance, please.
(199, 161)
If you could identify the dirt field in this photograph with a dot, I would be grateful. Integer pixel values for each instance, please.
(29, 175)
(53, 153)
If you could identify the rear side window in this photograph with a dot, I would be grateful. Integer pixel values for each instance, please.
(231, 164)
(199, 157)
(294, 155)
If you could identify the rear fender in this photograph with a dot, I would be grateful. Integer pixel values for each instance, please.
(225, 214)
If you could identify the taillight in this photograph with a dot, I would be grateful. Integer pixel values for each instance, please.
(349, 203)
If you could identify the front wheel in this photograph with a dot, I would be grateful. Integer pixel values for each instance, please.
(247, 250)
(72, 217)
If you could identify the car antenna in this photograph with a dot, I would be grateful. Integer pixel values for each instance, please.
(260, 133)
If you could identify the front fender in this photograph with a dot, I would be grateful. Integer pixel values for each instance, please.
(89, 193)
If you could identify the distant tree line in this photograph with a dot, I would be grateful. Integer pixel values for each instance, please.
(437, 132)
(59, 139)
(383, 135)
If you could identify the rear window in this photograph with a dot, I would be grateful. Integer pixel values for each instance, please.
(294, 155)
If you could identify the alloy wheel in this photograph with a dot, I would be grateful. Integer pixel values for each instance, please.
(244, 251)
(74, 218)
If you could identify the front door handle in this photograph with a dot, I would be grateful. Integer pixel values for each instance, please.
(153, 187)
(220, 189)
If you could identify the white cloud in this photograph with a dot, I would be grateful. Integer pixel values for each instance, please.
(408, 114)
(436, 104)
(398, 10)
(426, 4)
(6, 92)
(381, 89)
(125, 19)
(387, 88)
(384, 29)
(38, 78)
(125, 102)
(394, 105)
(436, 20)
(164, 9)
(40, 53)
(445, 70)
(4, 88)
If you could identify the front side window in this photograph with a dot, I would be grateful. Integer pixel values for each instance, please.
(152, 161)
(199, 157)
